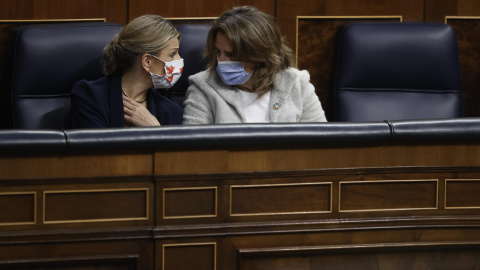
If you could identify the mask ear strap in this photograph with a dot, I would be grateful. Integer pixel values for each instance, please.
(156, 58)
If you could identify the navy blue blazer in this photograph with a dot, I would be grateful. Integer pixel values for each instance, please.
(99, 104)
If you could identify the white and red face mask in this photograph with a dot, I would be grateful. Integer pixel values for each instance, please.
(173, 72)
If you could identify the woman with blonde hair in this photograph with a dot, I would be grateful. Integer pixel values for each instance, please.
(143, 57)
(250, 77)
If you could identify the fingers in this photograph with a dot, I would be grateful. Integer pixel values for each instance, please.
(127, 111)
(136, 114)
(131, 107)
(128, 120)
(140, 117)
(129, 103)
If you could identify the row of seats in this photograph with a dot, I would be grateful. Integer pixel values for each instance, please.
(463, 130)
(381, 71)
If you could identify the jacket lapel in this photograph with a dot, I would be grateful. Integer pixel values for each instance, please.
(278, 98)
(227, 93)
(151, 102)
(116, 102)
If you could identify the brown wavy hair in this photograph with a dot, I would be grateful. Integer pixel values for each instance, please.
(145, 34)
(256, 39)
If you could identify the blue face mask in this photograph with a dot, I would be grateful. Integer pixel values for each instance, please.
(232, 72)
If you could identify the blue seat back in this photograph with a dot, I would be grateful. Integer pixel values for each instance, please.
(394, 71)
(46, 61)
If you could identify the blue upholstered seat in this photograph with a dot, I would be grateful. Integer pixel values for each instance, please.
(393, 71)
(45, 61)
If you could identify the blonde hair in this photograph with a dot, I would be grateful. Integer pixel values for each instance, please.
(145, 34)
(256, 39)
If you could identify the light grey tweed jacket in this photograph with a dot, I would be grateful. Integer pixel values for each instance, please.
(210, 101)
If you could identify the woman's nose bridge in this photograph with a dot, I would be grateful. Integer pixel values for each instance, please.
(222, 56)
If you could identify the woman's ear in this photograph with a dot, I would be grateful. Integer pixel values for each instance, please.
(146, 61)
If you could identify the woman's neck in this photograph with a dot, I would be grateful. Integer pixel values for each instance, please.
(247, 86)
(135, 84)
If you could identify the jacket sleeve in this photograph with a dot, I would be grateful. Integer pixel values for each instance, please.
(197, 108)
(86, 109)
(312, 109)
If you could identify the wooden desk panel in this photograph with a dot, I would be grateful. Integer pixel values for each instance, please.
(50, 167)
(261, 160)
(243, 208)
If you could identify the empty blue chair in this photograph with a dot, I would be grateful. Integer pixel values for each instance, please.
(394, 71)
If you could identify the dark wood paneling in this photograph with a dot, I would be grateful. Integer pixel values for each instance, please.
(389, 248)
(17, 208)
(191, 162)
(95, 205)
(75, 166)
(388, 195)
(462, 194)
(277, 199)
(201, 162)
(190, 202)
(468, 44)
(258, 197)
(59, 9)
(193, 20)
(75, 263)
(469, 53)
(287, 11)
(436, 10)
(47, 9)
(127, 254)
(269, 180)
(201, 256)
(321, 239)
(436, 257)
(194, 8)
(112, 10)
(116, 11)
(378, 156)
(16, 9)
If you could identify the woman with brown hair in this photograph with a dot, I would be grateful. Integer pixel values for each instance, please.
(143, 57)
(250, 77)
